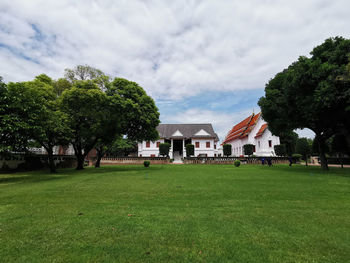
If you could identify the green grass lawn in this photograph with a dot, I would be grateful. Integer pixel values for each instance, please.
(176, 213)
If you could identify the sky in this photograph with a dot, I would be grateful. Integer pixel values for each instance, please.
(201, 61)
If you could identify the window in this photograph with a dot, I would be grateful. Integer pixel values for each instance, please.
(140, 155)
(208, 144)
(153, 155)
(197, 144)
(214, 146)
(158, 144)
(270, 143)
(258, 144)
(148, 144)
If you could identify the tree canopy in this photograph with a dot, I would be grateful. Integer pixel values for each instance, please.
(312, 93)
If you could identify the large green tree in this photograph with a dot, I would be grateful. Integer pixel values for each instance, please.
(31, 114)
(87, 108)
(51, 124)
(309, 94)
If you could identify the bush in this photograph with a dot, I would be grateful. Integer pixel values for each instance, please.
(237, 163)
(164, 149)
(146, 163)
(297, 156)
(227, 149)
(189, 150)
(248, 149)
(280, 150)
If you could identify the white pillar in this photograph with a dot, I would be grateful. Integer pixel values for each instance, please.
(183, 148)
(171, 149)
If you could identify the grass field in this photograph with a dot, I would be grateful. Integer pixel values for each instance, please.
(176, 213)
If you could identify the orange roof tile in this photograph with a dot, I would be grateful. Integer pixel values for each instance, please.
(242, 129)
(261, 130)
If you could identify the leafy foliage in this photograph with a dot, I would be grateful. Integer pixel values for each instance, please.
(280, 150)
(189, 150)
(237, 163)
(146, 163)
(227, 149)
(248, 149)
(310, 94)
(303, 148)
(164, 149)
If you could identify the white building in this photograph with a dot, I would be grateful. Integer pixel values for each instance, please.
(202, 136)
(252, 130)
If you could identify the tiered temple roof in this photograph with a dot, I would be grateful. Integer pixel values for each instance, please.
(243, 129)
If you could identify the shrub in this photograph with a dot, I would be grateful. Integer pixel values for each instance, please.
(164, 149)
(297, 156)
(280, 150)
(227, 149)
(237, 163)
(189, 150)
(146, 163)
(248, 149)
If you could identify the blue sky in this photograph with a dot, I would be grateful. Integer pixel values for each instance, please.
(202, 61)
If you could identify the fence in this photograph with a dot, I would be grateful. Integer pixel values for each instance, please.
(230, 160)
(131, 160)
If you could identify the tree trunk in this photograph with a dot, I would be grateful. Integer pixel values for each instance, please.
(321, 148)
(306, 160)
(100, 153)
(51, 160)
(98, 161)
(80, 160)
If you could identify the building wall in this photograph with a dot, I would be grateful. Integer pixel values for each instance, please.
(143, 151)
(261, 143)
(210, 152)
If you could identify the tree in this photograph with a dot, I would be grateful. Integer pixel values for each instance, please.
(33, 114)
(248, 149)
(164, 149)
(140, 116)
(14, 111)
(227, 149)
(339, 146)
(280, 150)
(122, 147)
(86, 72)
(289, 139)
(87, 108)
(189, 150)
(303, 148)
(308, 94)
(51, 124)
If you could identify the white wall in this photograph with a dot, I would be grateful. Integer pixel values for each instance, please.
(147, 152)
(202, 147)
(210, 152)
(263, 149)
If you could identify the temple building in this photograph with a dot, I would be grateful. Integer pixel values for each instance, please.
(252, 130)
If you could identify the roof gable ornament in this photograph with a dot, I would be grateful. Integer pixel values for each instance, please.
(202, 132)
(177, 133)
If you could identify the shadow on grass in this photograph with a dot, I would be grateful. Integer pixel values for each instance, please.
(333, 171)
(67, 173)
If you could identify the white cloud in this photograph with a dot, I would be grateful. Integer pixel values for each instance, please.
(172, 48)
(222, 122)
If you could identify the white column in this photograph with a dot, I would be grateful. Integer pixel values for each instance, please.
(183, 148)
(171, 150)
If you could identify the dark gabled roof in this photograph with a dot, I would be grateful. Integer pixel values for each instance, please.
(187, 130)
